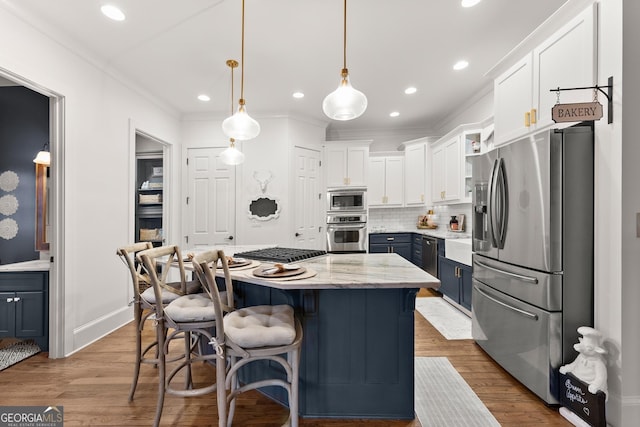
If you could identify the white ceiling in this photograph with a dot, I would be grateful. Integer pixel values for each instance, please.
(176, 50)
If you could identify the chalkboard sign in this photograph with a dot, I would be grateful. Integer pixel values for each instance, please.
(264, 208)
(575, 395)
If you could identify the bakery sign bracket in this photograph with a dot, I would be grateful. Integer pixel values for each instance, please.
(580, 111)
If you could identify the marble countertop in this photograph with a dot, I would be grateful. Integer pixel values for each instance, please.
(441, 232)
(348, 271)
(35, 265)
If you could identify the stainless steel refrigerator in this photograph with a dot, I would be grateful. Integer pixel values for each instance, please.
(533, 253)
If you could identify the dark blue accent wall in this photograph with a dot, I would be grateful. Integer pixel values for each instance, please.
(24, 129)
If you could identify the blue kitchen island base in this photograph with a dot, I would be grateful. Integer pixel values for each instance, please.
(358, 350)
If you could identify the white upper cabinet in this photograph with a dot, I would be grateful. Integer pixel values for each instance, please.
(415, 174)
(346, 164)
(446, 170)
(568, 59)
(386, 181)
(522, 96)
(513, 100)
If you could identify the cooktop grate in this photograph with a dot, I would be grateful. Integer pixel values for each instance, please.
(277, 254)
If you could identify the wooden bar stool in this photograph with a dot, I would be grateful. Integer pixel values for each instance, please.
(144, 301)
(142, 308)
(247, 335)
(190, 316)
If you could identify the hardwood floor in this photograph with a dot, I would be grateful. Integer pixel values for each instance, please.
(93, 386)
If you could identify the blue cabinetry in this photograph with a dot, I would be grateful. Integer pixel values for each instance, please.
(24, 306)
(455, 279)
(399, 243)
(345, 371)
(416, 249)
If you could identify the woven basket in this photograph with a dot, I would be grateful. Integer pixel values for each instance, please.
(149, 234)
(150, 198)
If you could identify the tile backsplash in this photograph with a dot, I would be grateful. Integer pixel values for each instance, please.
(382, 219)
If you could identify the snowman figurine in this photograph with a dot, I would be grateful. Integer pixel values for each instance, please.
(589, 367)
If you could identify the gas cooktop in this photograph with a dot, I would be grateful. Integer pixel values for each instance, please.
(277, 254)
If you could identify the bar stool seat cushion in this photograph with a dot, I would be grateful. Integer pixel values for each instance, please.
(191, 308)
(168, 296)
(261, 326)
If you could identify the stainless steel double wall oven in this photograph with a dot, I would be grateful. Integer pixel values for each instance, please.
(346, 220)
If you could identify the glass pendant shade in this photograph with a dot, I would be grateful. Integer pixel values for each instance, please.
(231, 155)
(241, 126)
(344, 103)
(43, 158)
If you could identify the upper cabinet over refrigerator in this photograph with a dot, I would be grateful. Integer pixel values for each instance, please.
(522, 96)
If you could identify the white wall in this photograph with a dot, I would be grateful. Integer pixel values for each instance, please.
(608, 201)
(97, 157)
(269, 153)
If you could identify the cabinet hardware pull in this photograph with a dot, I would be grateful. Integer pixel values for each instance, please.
(16, 299)
(527, 119)
(9, 299)
(534, 118)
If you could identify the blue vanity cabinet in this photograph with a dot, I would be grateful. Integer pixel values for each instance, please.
(24, 306)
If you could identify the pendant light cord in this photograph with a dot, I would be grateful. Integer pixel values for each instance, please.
(232, 67)
(344, 37)
(242, 60)
(232, 63)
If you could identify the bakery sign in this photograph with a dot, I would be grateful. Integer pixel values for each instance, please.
(576, 112)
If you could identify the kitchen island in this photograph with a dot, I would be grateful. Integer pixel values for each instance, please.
(358, 348)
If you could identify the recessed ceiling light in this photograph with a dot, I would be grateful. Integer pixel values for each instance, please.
(112, 12)
(410, 90)
(460, 65)
(394, 114)
(469, 3)
(298, 95)
(204, 98)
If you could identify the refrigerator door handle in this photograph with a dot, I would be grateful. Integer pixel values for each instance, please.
(520, 277)
(491, 205)
(503, 210)
(507, 306)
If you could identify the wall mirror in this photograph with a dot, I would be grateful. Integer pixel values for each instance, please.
(42, 203)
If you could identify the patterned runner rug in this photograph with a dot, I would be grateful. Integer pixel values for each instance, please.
(450, 322)
(444, 399)
(16, 352)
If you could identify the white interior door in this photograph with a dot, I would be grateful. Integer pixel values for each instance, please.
(308, 225)
(210, 198)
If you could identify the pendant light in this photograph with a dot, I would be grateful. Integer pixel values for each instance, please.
(344, 103)
(231, 155)
(241, 126)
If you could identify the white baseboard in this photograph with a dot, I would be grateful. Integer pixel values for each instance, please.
(100, 327)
